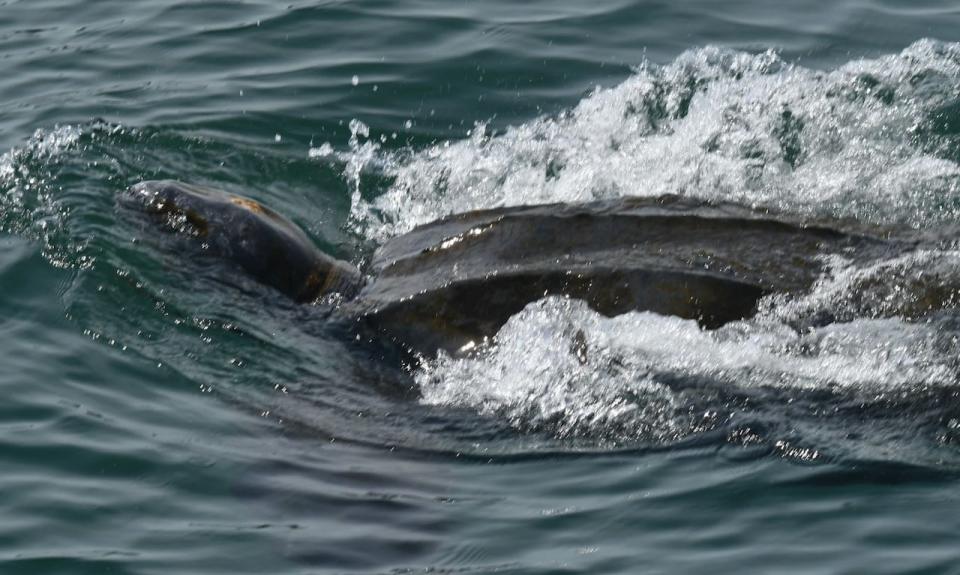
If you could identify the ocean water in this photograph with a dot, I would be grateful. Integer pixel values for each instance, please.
(162, 415)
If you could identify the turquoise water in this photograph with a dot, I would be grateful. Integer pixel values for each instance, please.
(162, 415)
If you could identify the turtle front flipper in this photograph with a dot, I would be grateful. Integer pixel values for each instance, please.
(451, 283)
(264, 244)
(459, 313)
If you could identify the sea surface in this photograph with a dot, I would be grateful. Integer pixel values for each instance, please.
(163, 415)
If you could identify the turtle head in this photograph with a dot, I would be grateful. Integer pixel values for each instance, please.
(264, 244)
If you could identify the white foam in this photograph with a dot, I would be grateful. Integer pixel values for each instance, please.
(712, 124)
(28, 205)
(43, 145)
(560, 366)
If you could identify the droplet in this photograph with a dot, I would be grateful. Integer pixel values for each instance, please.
(355, 80)
(325, 149)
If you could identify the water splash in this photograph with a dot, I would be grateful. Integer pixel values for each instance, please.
(560, 366)
(872, 140)
(28, 197)
(907, 286)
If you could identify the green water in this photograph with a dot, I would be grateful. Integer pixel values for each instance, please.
(163, 414)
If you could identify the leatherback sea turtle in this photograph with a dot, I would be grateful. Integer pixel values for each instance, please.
(450, 283)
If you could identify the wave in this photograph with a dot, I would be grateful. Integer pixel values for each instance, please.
(874, 140)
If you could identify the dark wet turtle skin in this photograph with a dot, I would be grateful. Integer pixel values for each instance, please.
(267, 246)
(457, 280)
